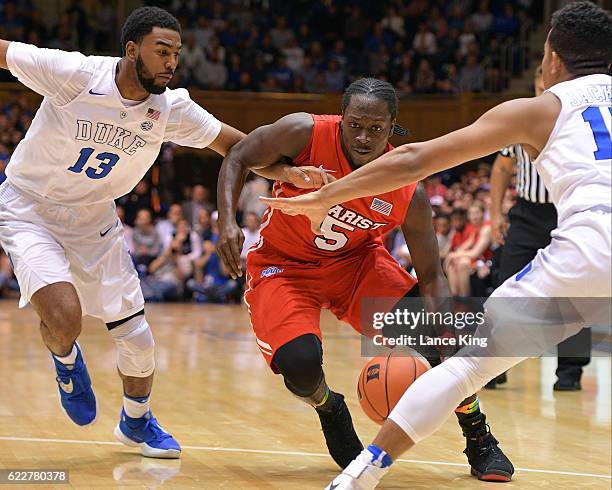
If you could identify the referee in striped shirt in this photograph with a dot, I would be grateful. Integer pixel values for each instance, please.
(531, 220)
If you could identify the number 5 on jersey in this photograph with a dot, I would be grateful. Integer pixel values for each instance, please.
(107, 162)
(332, 239)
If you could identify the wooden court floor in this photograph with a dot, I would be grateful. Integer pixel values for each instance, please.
(240, 429)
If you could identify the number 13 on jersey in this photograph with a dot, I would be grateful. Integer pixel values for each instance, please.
(107, 162)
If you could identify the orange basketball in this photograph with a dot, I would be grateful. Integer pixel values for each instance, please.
(384, 379)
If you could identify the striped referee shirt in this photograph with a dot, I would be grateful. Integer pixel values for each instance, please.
(529, 185)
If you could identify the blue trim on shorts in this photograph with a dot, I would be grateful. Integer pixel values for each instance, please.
(525, 270)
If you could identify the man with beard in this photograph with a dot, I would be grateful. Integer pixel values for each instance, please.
(97, 132)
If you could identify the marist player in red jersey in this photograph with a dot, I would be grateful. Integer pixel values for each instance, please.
(292, 273)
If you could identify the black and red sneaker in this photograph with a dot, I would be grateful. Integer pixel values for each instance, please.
(487, 460)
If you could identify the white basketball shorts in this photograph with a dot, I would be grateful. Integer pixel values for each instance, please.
(49, 243)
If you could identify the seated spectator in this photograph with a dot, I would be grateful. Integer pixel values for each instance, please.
(507, 23)
(282, 74)
(281, 34)
(424, 82)
(167, 227)
(444, 234)
(449, 80)
(483, 18)
(251, 234)
(139, 198)
(434, 186)
(163, 281)
(394, 22)
(473, 247)
(187, 245)
(211, 282)
(147, 244)
(200, 198)
(334, 78)
(192, 57)
(294, 55)
(309, 73)
(471, 76)
(249, 201)
(204, 228)
(424, 43)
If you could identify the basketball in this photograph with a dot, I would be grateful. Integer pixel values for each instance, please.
(384, 379)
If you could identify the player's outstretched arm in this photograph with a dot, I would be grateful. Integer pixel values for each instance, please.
(527, 121)
(3, 49)
(262, 148)
(228, 137)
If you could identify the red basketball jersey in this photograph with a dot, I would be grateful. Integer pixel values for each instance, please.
(350, 226)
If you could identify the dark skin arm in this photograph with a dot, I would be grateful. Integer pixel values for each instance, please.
(501, 175)
(421, 240)
(3, 49)
(261, 149)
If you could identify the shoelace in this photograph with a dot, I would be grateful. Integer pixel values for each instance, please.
(151, 425)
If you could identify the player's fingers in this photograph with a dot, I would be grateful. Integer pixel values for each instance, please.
(235, 258)
(317, 180)
(223, 256)
(304, 179)
(228, 263)
(275, 202)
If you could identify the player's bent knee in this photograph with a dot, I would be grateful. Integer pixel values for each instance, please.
(64, 321)
(299, 361)
(135, 347)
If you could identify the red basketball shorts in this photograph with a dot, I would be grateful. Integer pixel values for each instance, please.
(284, 298)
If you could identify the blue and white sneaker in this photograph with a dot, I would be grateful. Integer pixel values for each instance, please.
(146, 433)
(76, 395)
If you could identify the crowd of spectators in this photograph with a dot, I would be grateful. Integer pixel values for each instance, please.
(317, 46)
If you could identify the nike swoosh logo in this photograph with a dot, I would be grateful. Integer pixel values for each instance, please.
(65, 387)
(104, 233)
(94, 93)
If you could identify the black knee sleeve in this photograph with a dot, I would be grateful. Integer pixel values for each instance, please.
(299, 361)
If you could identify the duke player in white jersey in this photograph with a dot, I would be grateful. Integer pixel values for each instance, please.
(567, 132)
(97, 132)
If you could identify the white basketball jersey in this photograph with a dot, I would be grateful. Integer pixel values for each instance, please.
(577, 160)
(86, 144)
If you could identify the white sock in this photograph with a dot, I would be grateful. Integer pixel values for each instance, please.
(136, 407)
(70, 358)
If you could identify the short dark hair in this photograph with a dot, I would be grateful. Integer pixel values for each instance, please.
(581, 34)
(461, 212)
(142, 21)
(372, 87)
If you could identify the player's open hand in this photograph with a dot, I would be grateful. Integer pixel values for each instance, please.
(309, 177)
(229, 247)
(310, 205)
